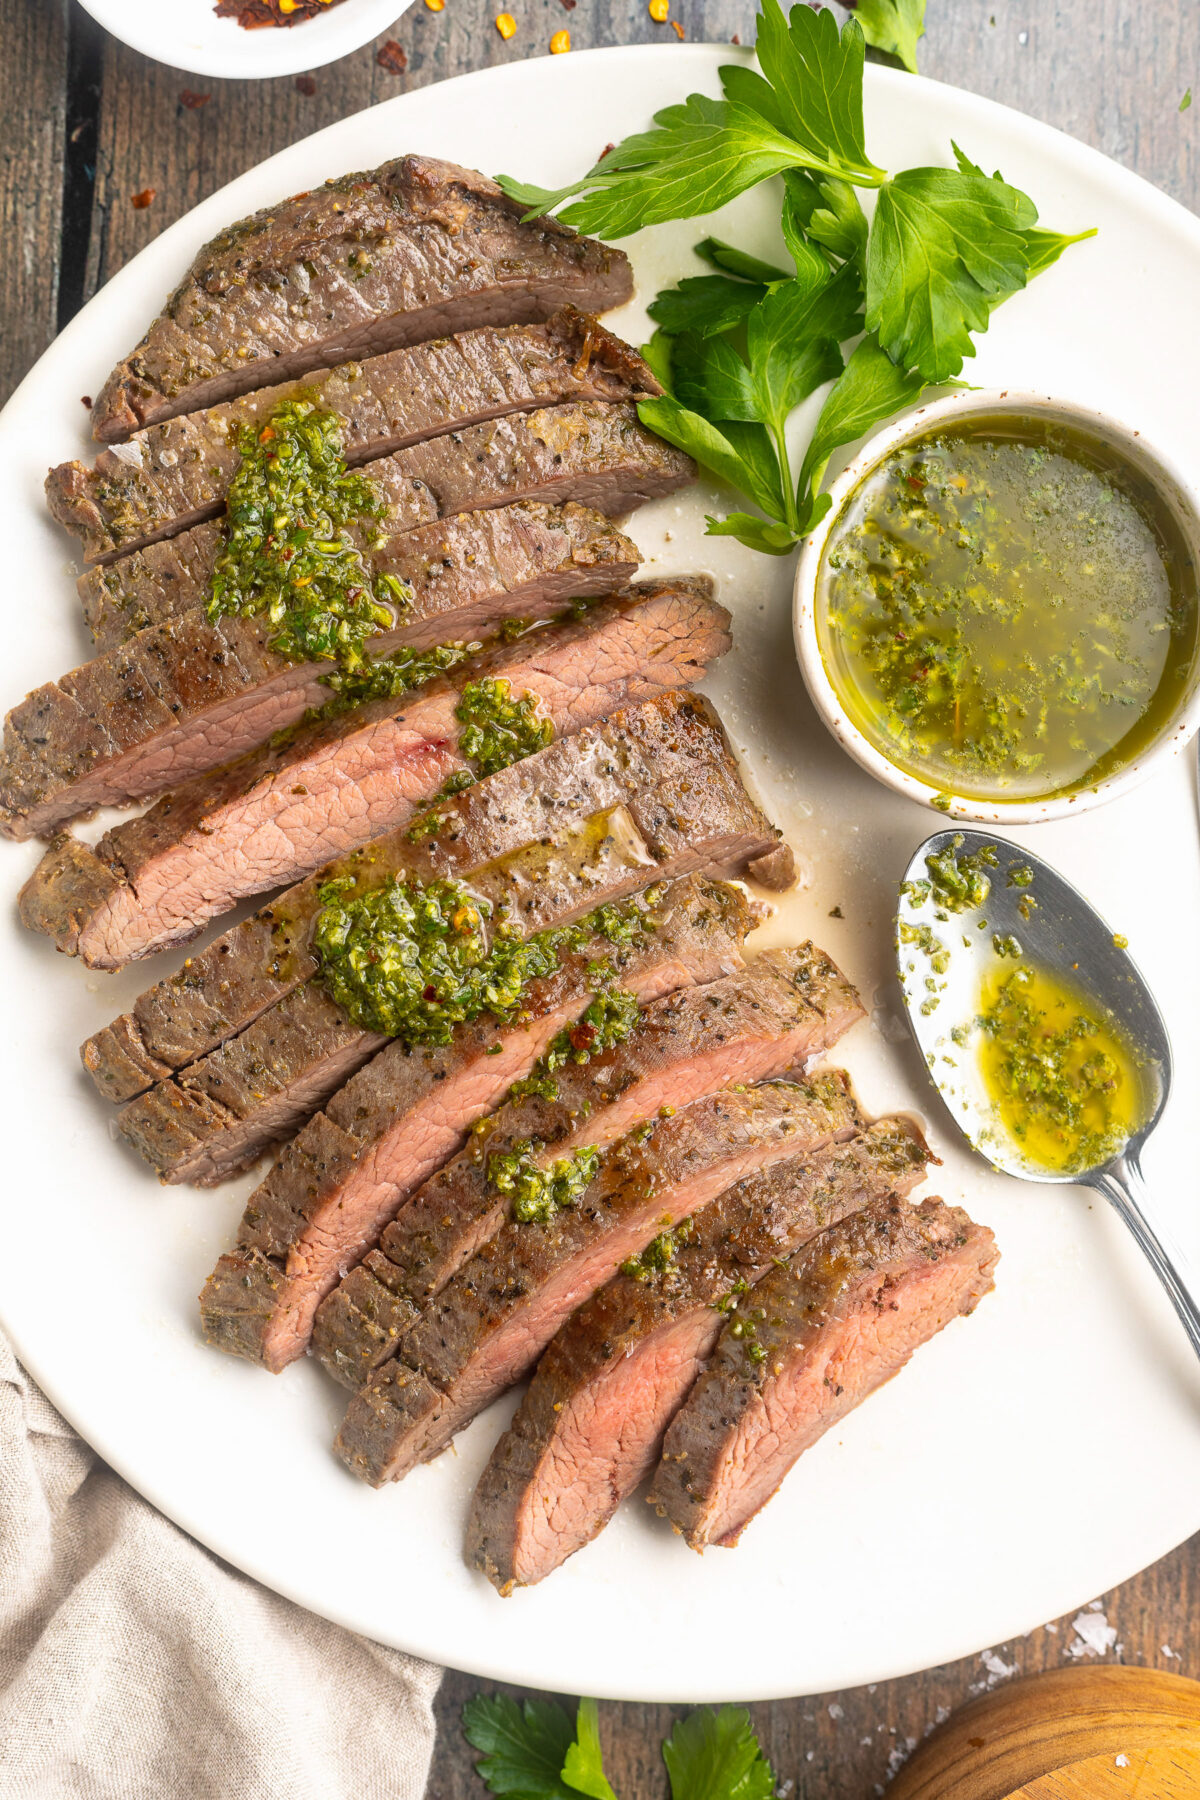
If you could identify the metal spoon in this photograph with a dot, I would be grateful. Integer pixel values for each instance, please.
(1067, 937)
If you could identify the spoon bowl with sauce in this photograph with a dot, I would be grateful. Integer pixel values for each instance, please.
(999, 615)
(1039, 1031)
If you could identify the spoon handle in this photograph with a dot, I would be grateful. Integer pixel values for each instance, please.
(1123, 1184)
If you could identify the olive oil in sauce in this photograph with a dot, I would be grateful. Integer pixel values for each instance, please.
(1064, 1084)
(1008, 610)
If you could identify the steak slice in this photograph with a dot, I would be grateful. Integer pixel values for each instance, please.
(365, 264)
(220, 1114)
(354, 1165)
(598, 456)
(490, 1324)
(177, 473)
(284, 810)
(789, 1005)
(825, 1330)
(652, 788)
(590, 1428)
(185, 696)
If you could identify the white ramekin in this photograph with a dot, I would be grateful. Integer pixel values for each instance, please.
(1177, 493)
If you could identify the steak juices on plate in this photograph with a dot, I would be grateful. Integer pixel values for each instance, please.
(445, 1210)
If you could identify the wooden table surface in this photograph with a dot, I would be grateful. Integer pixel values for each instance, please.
(86, 124)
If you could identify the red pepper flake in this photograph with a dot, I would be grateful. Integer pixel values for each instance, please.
(582, 1036)
(393, 57)
(144, 199)
(306, 85)
(430, 994)
(570, 5)
(736, 38)
(605, 152)
(192, 101)
(915, 483)
(86, 400)
(677, 28)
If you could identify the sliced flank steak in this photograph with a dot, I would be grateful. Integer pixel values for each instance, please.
(490, 1324)
(818, 1335)
(589, 1430)
(654, 788)
(184, 697)
(177, 473)
(354, 1165)
(284, 810)
(595, 455)
(415, 250)
(762, 1021)
(219, 1114)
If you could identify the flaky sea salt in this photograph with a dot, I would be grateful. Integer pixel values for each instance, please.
(1094, 1635)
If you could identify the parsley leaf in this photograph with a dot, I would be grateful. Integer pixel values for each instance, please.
(524, 1747)
(705, 303)
(893, 26)
(699, 155)
(729, 407)
(736, 262)
(871, 390)
(816, 77)
(828, 212)
(715, 1756)
(583, 1768)
(946, 247)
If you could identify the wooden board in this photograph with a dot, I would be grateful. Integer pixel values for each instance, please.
(1058, 1737)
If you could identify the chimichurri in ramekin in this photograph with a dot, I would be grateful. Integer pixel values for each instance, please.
(1007, 608)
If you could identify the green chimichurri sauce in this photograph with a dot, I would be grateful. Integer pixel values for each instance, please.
(1008, 611)
(497, 730)
(296, 521)
(1063, 1083)
(414, 960)
(604, 1023)
(538, 1194)
(660, 1253)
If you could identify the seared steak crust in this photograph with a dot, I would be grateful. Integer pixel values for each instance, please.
(824, 1331)
(412, 251)
(596, 455)
(177, 473)
(286, 809)
(643, 790)
(590, 1427)
(788, 1005)
(353, 1166)
(185, 696)
(490, 1324)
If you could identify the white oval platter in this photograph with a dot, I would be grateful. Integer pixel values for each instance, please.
(1032, 1456)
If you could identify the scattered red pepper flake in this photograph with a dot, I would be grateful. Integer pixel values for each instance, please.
(86, 400)
(144, 199)
(677, 28)
(306, 85)
(192, 101)
(736, 38)
(392, 56)
(570, 5)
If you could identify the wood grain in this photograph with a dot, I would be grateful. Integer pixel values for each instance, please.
(1026, 1730)
(85, 124)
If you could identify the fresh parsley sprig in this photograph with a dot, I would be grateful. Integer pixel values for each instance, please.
(732, 385)
(945, 245)
(531, 1753)
(894, 26)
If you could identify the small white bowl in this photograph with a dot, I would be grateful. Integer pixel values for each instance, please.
(1174, 489)
(187, 35)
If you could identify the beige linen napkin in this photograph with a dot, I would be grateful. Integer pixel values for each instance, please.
(135, 1665)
